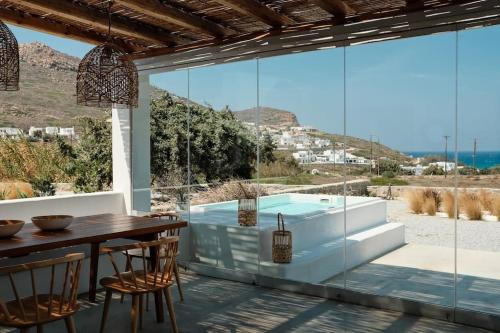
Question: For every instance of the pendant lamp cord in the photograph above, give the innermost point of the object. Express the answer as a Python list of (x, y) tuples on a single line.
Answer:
[(110, 3)]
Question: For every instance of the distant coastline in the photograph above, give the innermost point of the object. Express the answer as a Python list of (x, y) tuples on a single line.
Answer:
[(484, 159)]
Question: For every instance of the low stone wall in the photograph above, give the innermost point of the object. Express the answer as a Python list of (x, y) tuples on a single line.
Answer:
[(397, 191), (353, 187)]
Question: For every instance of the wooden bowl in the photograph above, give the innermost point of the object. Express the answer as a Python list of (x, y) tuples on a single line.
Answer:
[(9, 228), (52, 222)]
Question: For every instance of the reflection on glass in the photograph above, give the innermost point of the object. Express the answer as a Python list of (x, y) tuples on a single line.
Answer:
[(478, 229), (400, 112), (169, 146), (301, 164), (223, 155)]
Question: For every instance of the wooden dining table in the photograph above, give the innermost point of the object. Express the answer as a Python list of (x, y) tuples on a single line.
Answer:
[(92, 230)]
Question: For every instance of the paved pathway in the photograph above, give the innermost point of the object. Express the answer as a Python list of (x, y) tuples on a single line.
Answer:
[(214, 305)]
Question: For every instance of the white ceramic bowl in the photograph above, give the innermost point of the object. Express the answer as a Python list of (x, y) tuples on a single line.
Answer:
[(9, 228), (52, 222)]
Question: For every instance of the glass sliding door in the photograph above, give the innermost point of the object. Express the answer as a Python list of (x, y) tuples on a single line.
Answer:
[(400, 136), (223, 157), (478, 227), (301, 102), (170, 146)]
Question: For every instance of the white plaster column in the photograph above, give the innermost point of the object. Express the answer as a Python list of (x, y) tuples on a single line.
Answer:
[(131, 152)]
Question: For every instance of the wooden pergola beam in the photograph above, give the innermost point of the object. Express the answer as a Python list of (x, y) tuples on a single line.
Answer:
[(259, 11), (59, 29), (337, 8), (98, 20), (166, 13)]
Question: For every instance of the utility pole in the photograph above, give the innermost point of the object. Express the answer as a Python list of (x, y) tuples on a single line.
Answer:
[(446, 137), (378, 156), (474, 156), (371, 153), (333, 146)]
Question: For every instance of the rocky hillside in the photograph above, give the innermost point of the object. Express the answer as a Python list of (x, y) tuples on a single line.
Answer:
[(47, 91), (42, 56), (268, 116)]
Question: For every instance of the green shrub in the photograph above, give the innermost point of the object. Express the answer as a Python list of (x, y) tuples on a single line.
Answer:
[(389, 166), (433, 170), (388, 174), (384, 181), (43, 186)]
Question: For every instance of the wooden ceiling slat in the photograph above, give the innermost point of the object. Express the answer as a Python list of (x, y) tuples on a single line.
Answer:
[(59, 29), (170, 14), (97, 19), (259, 11), (338, 8)]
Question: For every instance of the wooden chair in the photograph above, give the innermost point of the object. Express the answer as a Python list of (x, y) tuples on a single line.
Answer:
[(39, 309), (173, 216), (138, 283)]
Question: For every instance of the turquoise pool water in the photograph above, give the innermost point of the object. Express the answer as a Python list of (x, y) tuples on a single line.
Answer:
[(284, 204), (295, 208)]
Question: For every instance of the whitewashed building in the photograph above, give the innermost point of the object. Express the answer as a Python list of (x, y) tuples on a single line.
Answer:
[(10, 132), (68, 132)]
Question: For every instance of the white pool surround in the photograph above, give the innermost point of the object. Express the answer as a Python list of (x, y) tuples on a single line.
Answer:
[(317, 225)]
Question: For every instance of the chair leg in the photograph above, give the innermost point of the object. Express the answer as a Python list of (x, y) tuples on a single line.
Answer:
[(105, 311), (24, 330), (170, 306), (134, 313), (127, 268), (70, 324), (141, 300), (178, 281), (39, 329)]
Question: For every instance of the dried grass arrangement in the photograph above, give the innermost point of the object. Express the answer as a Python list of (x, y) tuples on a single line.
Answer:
[(471, 205), (430, 206), (415, 200), (432, 201), (496, 207), (487, 200), (448, 204)]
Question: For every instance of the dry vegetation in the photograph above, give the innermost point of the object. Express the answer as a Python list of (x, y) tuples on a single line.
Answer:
[(22, 160), (227, 192), (415, 200), (15, 190), (472, 204), (448, 204)]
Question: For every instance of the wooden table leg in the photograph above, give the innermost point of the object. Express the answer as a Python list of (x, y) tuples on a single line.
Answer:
[(153, 253), (94, 264)]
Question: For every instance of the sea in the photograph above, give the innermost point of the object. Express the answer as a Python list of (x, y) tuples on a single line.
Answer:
[(484, 159)]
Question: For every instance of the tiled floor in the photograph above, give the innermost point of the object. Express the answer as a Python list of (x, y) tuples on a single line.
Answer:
[(214, 305)]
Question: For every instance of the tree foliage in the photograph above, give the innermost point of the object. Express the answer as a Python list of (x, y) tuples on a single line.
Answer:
[(221, 148), (92, 165)]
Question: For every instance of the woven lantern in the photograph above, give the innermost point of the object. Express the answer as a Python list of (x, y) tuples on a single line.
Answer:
[(9, 60), (106, 76)]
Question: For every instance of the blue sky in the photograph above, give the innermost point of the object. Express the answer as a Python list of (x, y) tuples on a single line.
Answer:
[(402, 92)]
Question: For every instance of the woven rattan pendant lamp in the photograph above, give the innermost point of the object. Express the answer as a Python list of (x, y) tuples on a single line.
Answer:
[(9, 60), (106, 76)]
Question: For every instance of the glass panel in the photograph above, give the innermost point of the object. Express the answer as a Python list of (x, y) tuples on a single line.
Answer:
[(223, 155), (301, 173), (169, 146), (478, 230), (400, 109)]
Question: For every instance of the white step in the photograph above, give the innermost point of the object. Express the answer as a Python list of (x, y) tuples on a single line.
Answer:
[(326, 260)]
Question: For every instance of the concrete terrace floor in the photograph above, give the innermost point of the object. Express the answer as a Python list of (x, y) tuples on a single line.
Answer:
[(214, 305)]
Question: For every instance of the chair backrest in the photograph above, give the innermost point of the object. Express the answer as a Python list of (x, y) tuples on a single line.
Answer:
[(169, 216), (162, 266), (58, 302)]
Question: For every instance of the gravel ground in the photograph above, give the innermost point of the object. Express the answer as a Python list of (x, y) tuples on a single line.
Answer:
[(440, 230)]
